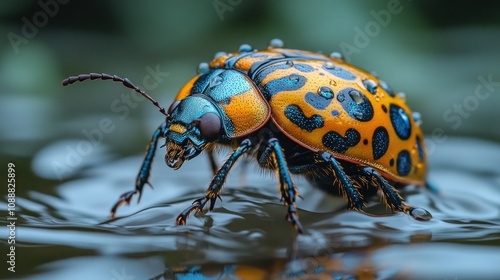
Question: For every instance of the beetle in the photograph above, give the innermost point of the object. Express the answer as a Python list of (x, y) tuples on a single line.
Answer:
[(295, 112)]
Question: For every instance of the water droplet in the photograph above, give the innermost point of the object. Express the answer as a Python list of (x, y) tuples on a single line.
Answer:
[(402, 95), (335, 113), (333, 83), (356, 96), (203, 68), (217, 80), (245, 48), (325, 92), (377, 98), (276, 43), (358, 115), (417, 117), (370, 85), (337, 55), (386, 87), (289, 63), (219, 54), (341, 97), (294, 78), (329, 65), (420, 214)]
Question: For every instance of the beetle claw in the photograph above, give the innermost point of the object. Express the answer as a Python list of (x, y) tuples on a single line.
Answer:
[(124, 198), (292, 217), (197, 206)]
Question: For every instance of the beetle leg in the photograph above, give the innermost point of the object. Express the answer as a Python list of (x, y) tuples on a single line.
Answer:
[(354, 199), (144, 172), (394, 200), (216, 184), (391, 196), (274, 154)]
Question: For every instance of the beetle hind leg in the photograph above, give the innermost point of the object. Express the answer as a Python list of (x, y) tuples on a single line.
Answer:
[(393, 199)]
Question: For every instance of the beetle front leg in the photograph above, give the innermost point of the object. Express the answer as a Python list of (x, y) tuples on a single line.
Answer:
[(144, 172), (273, 154), (216, 184)]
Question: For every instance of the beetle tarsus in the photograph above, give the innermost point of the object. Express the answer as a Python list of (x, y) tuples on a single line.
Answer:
[(197, 206), (293, 217), (124, 198)]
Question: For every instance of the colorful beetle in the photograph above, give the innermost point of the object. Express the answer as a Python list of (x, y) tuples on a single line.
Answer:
[(296, 112)]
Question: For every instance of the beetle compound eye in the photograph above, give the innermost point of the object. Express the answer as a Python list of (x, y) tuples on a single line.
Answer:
[(210, 126), (173, 106)]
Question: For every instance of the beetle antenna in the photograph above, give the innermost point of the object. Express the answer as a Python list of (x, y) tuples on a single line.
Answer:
[(126, 82)]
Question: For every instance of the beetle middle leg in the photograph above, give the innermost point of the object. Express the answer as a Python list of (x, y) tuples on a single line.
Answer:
[(273, 155), (354, 198), (144, 172), (216, 184)]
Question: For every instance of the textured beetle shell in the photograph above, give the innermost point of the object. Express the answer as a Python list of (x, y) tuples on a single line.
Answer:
[(326, 104)]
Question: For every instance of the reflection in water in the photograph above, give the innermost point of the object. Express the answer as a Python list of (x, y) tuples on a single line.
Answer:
[(247, 236)]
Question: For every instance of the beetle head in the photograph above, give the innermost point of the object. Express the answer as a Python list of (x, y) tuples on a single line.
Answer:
[(193, 122)]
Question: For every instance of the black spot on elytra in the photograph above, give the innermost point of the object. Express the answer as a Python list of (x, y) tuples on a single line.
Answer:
[(400, 121), (391, 162), (340, 72), (380, 142), (291, 82), (403, 163), (339, 143), (317, 101), (296, 116), (356, 104), (268, 69), (303, 67)]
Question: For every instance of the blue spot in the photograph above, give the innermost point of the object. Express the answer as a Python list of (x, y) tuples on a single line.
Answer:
[(339, 143), (204, 81), (227, 84), (318, 102), (260, 70), (356, 104), (380, 142), (400, 121), (340, 72), (296, 116), (403, 163), (291, 82), (303, 67)]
